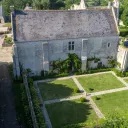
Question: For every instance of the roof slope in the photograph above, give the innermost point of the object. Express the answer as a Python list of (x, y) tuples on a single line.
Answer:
[(53, 25)]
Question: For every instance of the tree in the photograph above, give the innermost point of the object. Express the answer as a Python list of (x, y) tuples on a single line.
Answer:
[(116, 120), (41, 4), (6, 5), (18, 4), (124, 16)]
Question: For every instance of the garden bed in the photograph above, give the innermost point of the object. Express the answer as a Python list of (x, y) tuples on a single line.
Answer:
[(99, 82)]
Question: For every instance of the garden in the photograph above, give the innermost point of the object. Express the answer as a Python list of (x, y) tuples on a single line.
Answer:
[(95, 83), (113, 102), (79, 112), (71, 114), (58, 89)]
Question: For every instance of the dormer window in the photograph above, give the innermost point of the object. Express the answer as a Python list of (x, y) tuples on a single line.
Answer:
[(71, 46)]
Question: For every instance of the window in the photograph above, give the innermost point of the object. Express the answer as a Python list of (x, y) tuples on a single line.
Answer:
[(71, 45), (108, 45)]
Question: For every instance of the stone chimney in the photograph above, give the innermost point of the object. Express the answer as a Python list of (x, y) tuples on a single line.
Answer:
[(109, 4), (12, 9), (116, 6), (82, 4)]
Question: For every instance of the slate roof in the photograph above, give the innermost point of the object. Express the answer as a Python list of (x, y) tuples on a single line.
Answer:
[(35, 25)]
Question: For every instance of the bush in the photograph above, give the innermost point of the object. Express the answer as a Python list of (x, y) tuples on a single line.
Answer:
[(22, 105), (36, 104), (76, 90), (82, 99), (97, 98), (123, 32), (8, 40)]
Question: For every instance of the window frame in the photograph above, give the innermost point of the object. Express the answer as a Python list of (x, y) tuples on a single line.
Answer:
[(71, 46)]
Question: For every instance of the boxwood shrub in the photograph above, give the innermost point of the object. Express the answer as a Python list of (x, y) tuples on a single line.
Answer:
[(36, 104)]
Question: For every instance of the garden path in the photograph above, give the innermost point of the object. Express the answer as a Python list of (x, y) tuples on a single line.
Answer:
[(120, 79), (108, 91), (44, 111), (63, 99), (93, 105), (84, 94)]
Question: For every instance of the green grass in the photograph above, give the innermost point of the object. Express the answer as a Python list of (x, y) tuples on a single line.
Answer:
[(113, 102), (100, 82), (126, 80), (70, 113), (57, 89), (7, 25)]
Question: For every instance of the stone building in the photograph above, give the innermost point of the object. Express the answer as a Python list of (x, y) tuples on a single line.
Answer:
[(2, 14), (122, 56), (43, 36), (79, 6)]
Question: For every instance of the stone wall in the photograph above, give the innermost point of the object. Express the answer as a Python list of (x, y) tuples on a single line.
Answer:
[(37, 55), (122, 58)]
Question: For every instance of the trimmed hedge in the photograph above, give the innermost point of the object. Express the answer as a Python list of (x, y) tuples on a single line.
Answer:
[(123, 31), (76, 90), (36, 105), (21, 105)]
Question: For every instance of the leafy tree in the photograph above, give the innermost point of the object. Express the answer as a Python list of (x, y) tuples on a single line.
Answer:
[(57, 4), (114, 121), (124, 16), (6, 5), (41, 4), (18, 4), (68, 3)]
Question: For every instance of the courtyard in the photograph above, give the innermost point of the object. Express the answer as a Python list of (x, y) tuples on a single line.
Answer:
[(104, 93)]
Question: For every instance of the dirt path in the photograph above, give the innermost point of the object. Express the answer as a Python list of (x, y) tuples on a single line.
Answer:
[(7, 110)]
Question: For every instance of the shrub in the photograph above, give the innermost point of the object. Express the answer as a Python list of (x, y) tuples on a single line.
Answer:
[(36, 104), (76, 90), (82, 99), (8, 40), (97, 98)]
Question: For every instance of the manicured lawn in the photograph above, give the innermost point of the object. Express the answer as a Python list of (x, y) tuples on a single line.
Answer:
[(70, 112), (109, 103), (126, 80), (100, 82), (57, 89)]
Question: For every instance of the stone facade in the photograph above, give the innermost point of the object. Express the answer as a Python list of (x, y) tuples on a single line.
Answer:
[(43, 36), (38, 55), (122, 58)]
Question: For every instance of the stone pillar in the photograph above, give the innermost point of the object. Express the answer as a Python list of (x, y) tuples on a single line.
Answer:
[(16, 68), (84, 63), (84, 55), (45, 57)]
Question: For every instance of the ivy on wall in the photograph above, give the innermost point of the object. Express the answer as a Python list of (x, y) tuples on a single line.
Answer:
[(71, 64)]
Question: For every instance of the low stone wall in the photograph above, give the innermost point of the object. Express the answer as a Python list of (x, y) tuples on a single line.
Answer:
[(35, 125)]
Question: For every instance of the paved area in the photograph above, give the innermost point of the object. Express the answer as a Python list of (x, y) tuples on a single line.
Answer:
[(7, 110), (64, 99), (108, 91), (5, 54)]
